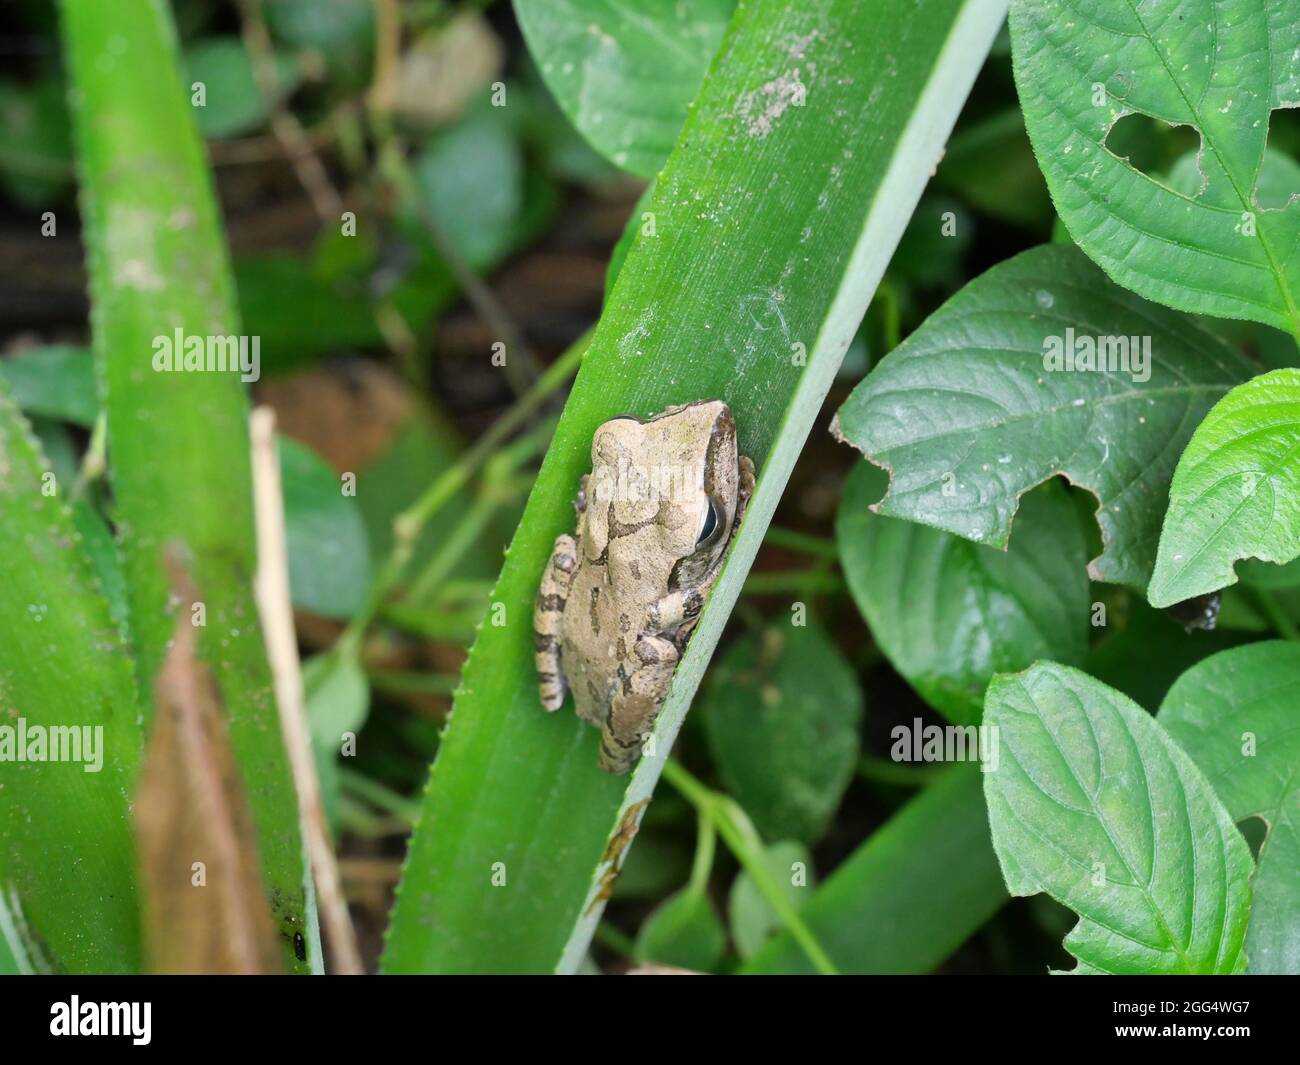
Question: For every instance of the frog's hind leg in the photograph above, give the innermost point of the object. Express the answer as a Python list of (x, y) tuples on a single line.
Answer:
[(548, 615), (637, 703)]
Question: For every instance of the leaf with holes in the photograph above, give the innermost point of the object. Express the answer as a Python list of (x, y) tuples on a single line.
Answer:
[(1093, 803), (974, 409), (1236, 492), (1219, 66), (1234, 714)]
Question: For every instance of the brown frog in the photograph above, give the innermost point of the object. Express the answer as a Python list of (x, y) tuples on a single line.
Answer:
[(618, 602)]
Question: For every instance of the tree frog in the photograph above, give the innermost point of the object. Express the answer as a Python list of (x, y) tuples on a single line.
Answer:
[(618, 602)]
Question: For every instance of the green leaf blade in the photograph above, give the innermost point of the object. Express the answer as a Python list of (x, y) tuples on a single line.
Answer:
[(1215, 65), (970, 411), (181, 473), (1095, 805), (511, 783), (782, 713), (948, 613), (67, 855), (1234, 714), (625, 74), (1236, 491)]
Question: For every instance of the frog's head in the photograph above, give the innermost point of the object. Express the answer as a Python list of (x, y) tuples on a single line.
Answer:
[(667, 487)]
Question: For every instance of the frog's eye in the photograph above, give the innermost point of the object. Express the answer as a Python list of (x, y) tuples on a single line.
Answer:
[(711, 522)]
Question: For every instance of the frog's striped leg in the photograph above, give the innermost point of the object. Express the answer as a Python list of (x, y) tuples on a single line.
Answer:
[(548, 615), (637, 703)]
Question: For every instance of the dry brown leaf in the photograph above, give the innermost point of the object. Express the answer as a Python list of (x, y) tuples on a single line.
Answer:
[(205, 908)]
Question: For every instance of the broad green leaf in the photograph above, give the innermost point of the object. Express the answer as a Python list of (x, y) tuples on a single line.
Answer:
[(949, 613), (338, 698), (712, 307), (909, 896), (233, 102), (973, 409), (67, 858), (782, 712), (1094, 804), (753, 921), (1235, 714), (683, 930), (1218, 66), (178, 441), (625, 73), (329, 558), (1279, 180), (57, 381), (1236, 492), (472, 180)]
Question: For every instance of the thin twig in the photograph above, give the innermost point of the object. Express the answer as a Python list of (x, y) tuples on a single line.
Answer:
[(276, 613)]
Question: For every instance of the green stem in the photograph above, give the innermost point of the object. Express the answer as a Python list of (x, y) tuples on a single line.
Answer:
[(743, 841), (706, 842), (609, 936)]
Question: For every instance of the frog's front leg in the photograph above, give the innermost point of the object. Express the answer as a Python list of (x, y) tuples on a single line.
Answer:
[(548, 617), (637, 702)]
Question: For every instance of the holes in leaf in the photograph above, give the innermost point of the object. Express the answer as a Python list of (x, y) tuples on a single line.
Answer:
[(1254, 829), (1151, 146), (1279, 176)]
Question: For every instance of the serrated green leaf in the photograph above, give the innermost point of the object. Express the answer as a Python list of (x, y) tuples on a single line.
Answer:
[(1218, 66), (712, 307), (625, 73), (67, 857), (683, 930), (178, 441), (1235, 714), (1236, 491), (753, 921), (329, 558), (1094, 804), (782, 713), (968, 417), (949, 613)]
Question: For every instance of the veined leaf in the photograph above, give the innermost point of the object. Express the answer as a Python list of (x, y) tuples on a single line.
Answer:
[(178, 440), (67, 869), (753, 920), (949, 613), (625, 73), (910, 895), (1236, 492), (1216, 65), (1093, 803), (720, 304), (973, 409), (782, 713), (1235, 714)]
